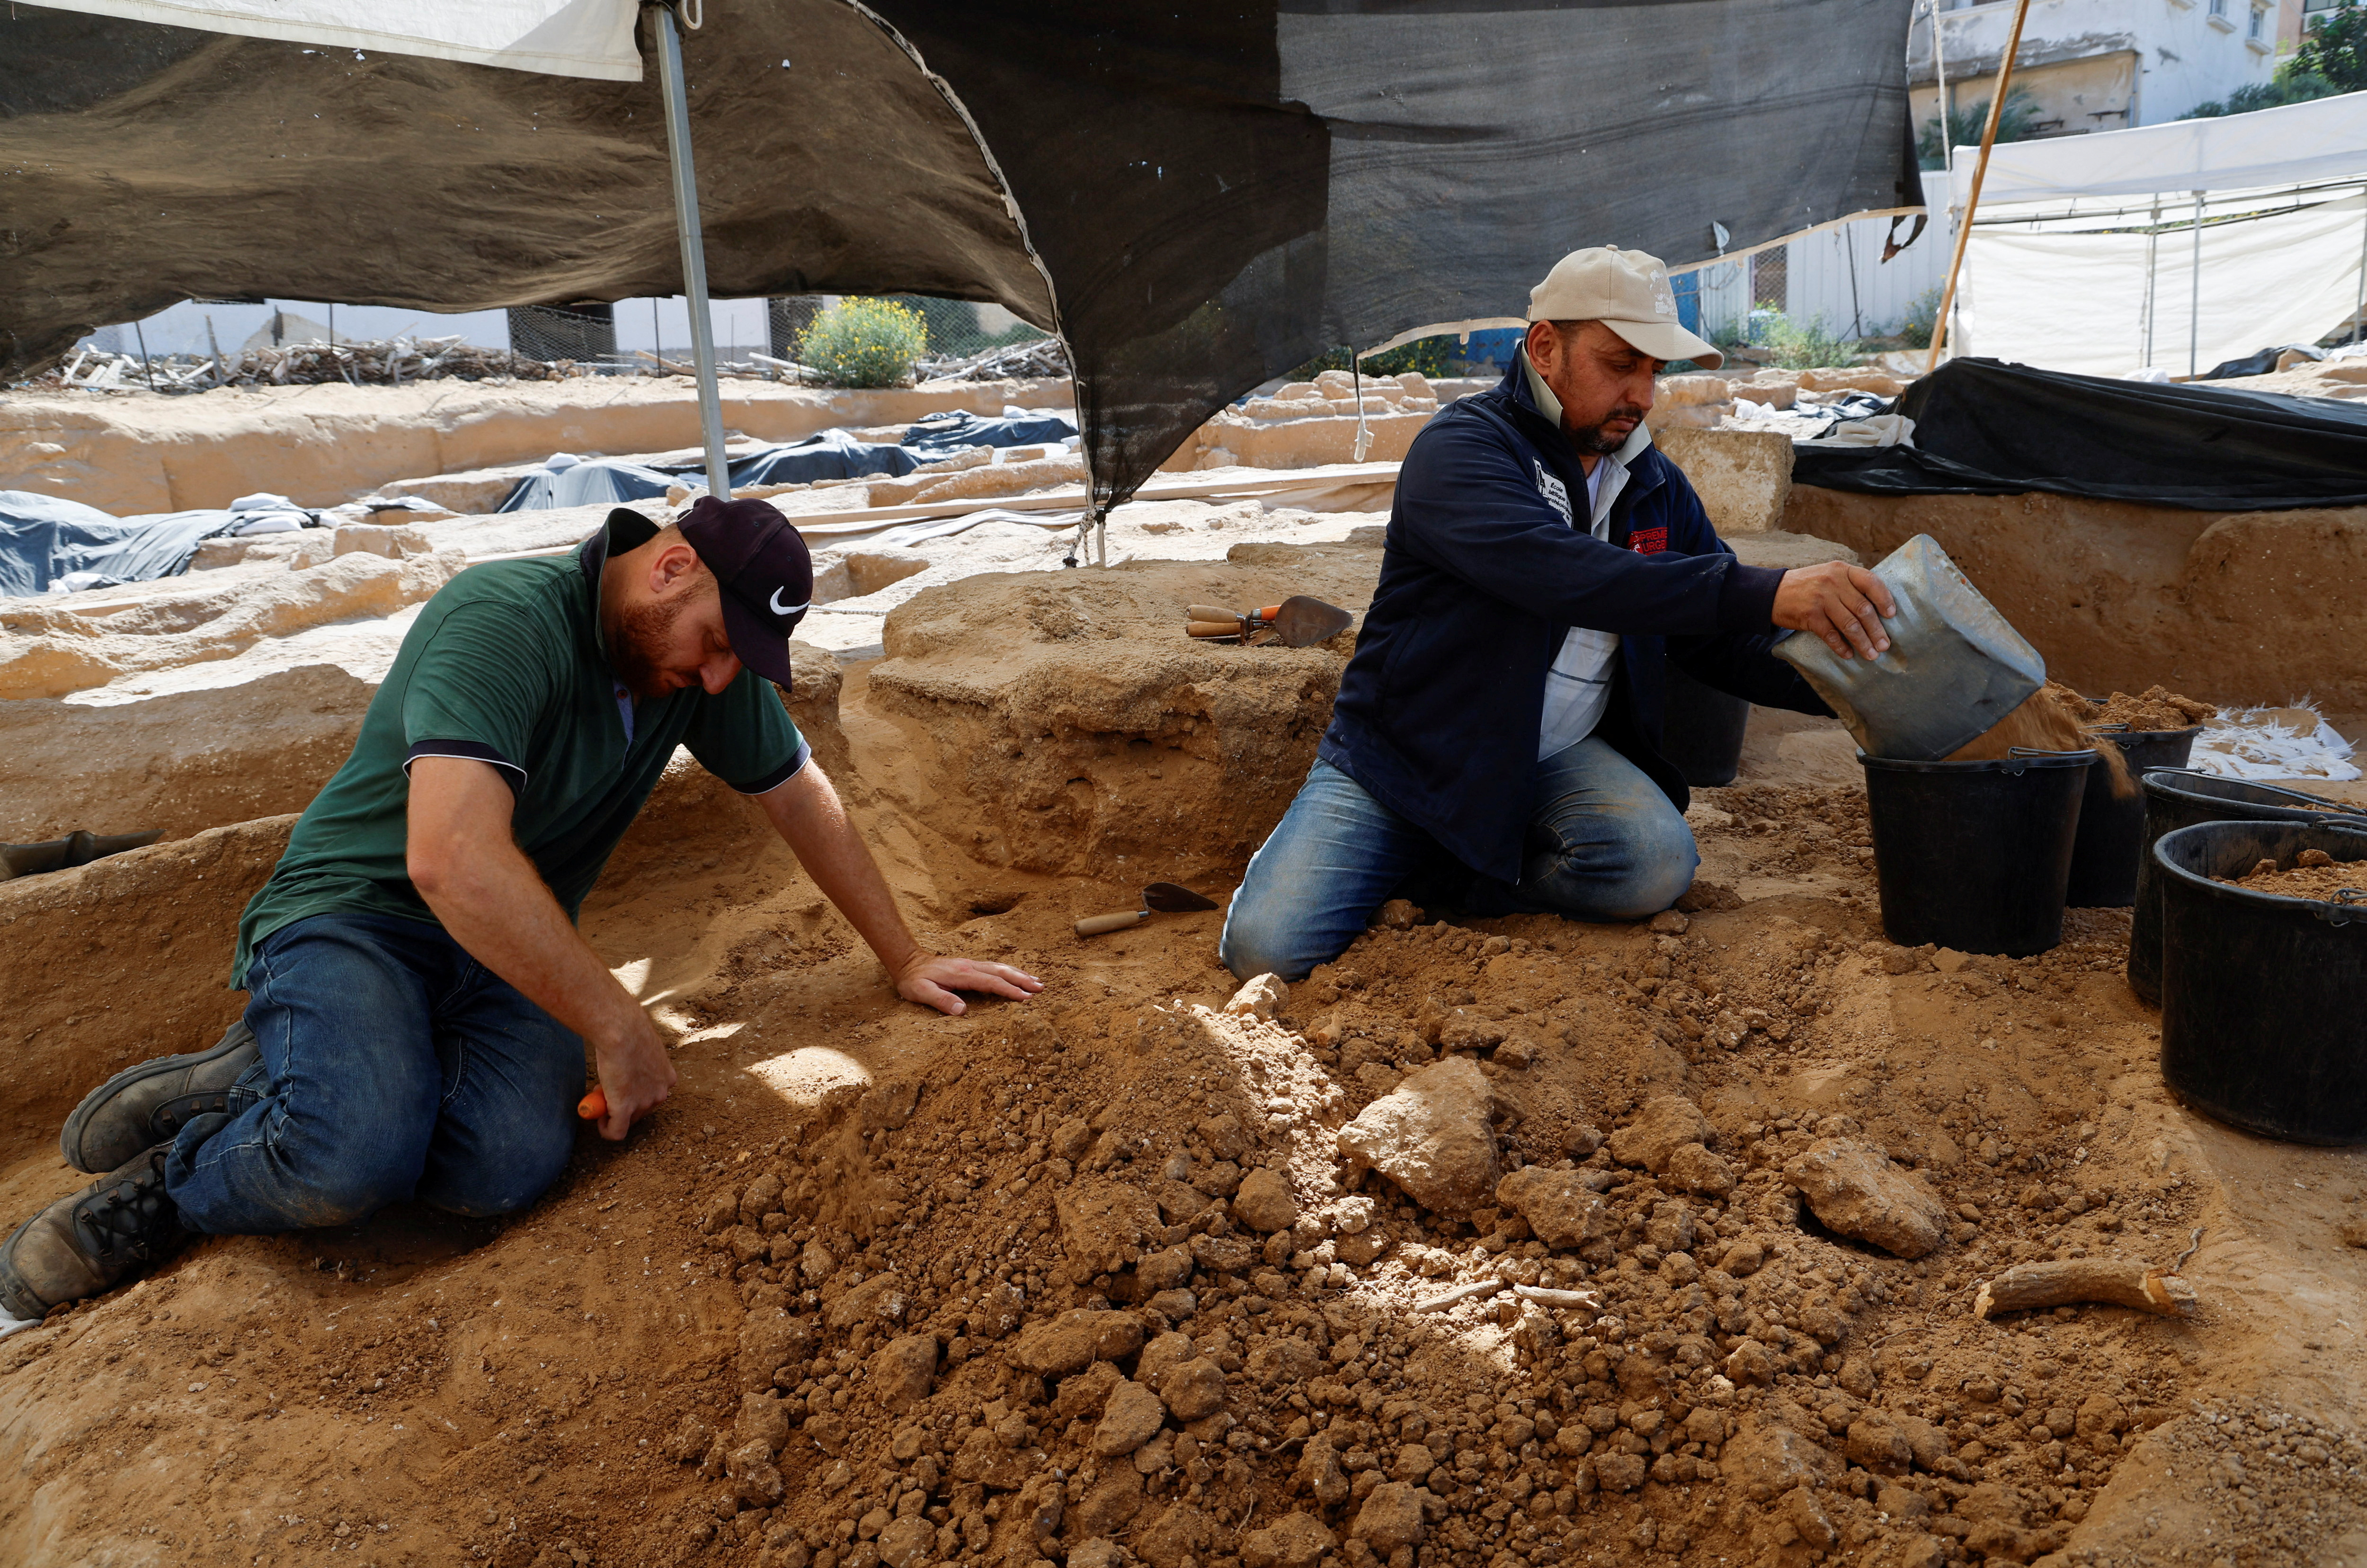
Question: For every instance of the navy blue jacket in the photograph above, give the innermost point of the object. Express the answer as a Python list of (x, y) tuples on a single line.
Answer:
[(1481, 579)]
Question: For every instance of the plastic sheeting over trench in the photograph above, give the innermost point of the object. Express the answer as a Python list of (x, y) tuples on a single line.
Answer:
[(1196, 197), (1983, 428)]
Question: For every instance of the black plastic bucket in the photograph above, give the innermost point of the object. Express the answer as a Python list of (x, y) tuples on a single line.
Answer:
[(1976, 855), (1702, 733), (2173, 801), (2112, 827), (2263, 999)]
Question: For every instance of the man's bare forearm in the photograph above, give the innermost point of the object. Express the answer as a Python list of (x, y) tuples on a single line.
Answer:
[(490, 899), (499, 909), (812, 821)]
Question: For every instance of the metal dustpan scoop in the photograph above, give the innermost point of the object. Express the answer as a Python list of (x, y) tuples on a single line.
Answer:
[(1956, 667), (1159, 898)]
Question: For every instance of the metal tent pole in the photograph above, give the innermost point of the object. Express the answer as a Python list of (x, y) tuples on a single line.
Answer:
[(694, 250), (1940, 79), (2359, 317), (2194, 294), (2153, 244)]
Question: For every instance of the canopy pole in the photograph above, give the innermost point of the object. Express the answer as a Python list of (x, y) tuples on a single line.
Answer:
[(2359, 317), (1940, 79), (2153, 245), (2194, 295), (1980, 173), (694, 250)]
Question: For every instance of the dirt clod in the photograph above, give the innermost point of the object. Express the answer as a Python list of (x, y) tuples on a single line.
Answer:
[(1859, 1192)]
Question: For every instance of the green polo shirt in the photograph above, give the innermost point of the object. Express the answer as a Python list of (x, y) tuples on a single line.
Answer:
[(507, 665)]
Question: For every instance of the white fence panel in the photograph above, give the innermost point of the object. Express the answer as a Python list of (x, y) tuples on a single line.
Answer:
[(1838, 276)]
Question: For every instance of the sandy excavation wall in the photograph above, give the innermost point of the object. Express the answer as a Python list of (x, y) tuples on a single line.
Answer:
[(183, 763), (177, 765), (51, 648), (1052, 720), (2240, 607), (322, 445)]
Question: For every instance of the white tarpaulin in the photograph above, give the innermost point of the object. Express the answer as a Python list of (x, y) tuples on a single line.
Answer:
[(2075, 300), (2298, 144), (559, 38)]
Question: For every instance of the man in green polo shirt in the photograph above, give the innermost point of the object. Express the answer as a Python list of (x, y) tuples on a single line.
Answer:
[(419, 1000)]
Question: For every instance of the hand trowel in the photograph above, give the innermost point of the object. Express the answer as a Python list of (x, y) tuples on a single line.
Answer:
[(1298, 621), (1159, 898)]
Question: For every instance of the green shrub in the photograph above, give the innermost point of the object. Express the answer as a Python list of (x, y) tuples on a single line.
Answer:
[(2287, 87), (1922, 318), (1799, 346), (1431, 357), (2334, 48), (1965, 125), (865, 342)]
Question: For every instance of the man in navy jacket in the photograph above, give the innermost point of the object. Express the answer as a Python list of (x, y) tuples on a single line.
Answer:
[(1496, 739)]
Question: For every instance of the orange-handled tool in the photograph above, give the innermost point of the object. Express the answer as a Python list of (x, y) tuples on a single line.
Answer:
[(1296, 622), (594, 1106)]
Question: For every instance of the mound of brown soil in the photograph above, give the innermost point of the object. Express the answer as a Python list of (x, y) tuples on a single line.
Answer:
[(2159, 708), (2314, 874)]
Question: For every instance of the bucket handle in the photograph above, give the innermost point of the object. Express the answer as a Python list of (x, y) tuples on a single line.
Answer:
[(2338, 910), (2024, 754), (2304, 802)]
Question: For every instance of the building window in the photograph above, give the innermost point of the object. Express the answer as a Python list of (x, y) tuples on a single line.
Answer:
[(2260, 24), (2219, 8)]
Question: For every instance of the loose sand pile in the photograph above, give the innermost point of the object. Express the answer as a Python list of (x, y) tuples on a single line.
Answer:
[(1135, 1272), (2314, 874), (2159, 708)]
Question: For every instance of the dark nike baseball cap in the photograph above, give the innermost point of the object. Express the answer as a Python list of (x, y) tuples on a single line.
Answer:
[(761, 563)]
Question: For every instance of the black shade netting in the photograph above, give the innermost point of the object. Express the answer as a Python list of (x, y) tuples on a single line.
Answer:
[(1987, 428), (1196, 198)]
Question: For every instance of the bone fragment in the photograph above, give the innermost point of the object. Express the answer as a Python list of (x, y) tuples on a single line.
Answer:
[(1460, 1294), (2027, 1287), (1546, 1298)]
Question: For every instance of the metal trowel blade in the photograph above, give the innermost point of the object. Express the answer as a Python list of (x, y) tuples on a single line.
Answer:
[(1301, 622), (1167, 898)]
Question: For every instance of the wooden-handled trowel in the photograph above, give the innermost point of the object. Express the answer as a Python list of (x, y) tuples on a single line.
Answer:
[(1298, 621), (1159, 898)]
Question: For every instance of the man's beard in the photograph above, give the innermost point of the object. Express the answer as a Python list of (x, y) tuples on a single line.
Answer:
[(1591, 440), (635, 641)]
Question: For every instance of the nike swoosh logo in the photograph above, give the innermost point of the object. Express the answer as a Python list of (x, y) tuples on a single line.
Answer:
[(780, 609)]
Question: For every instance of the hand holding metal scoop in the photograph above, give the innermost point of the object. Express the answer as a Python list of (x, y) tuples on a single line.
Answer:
[(1298, 621), (1162, 898)]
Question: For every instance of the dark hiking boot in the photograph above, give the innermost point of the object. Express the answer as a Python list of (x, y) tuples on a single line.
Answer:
[(87, 1242), (147, 1104)]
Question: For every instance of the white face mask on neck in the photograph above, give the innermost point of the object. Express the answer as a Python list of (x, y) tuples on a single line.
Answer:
[(1547, 404)]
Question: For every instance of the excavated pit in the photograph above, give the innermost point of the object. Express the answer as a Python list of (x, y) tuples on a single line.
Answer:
[(879, 1215)]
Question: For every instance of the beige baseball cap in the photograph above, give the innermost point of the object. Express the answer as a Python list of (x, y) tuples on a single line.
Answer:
[(1626, 291)]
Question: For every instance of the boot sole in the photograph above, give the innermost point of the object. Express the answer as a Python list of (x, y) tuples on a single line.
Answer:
[(11, 1285), (70, 1138)]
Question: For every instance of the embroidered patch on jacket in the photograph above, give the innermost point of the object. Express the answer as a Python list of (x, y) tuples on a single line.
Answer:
[(1557, 494), (1649, 541)]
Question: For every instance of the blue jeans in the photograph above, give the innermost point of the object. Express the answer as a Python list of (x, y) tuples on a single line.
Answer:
[(1605, 845), (393, 1066)]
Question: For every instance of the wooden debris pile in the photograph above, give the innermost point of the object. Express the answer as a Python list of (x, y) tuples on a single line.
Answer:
[(1042, 356), (386, 362)]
